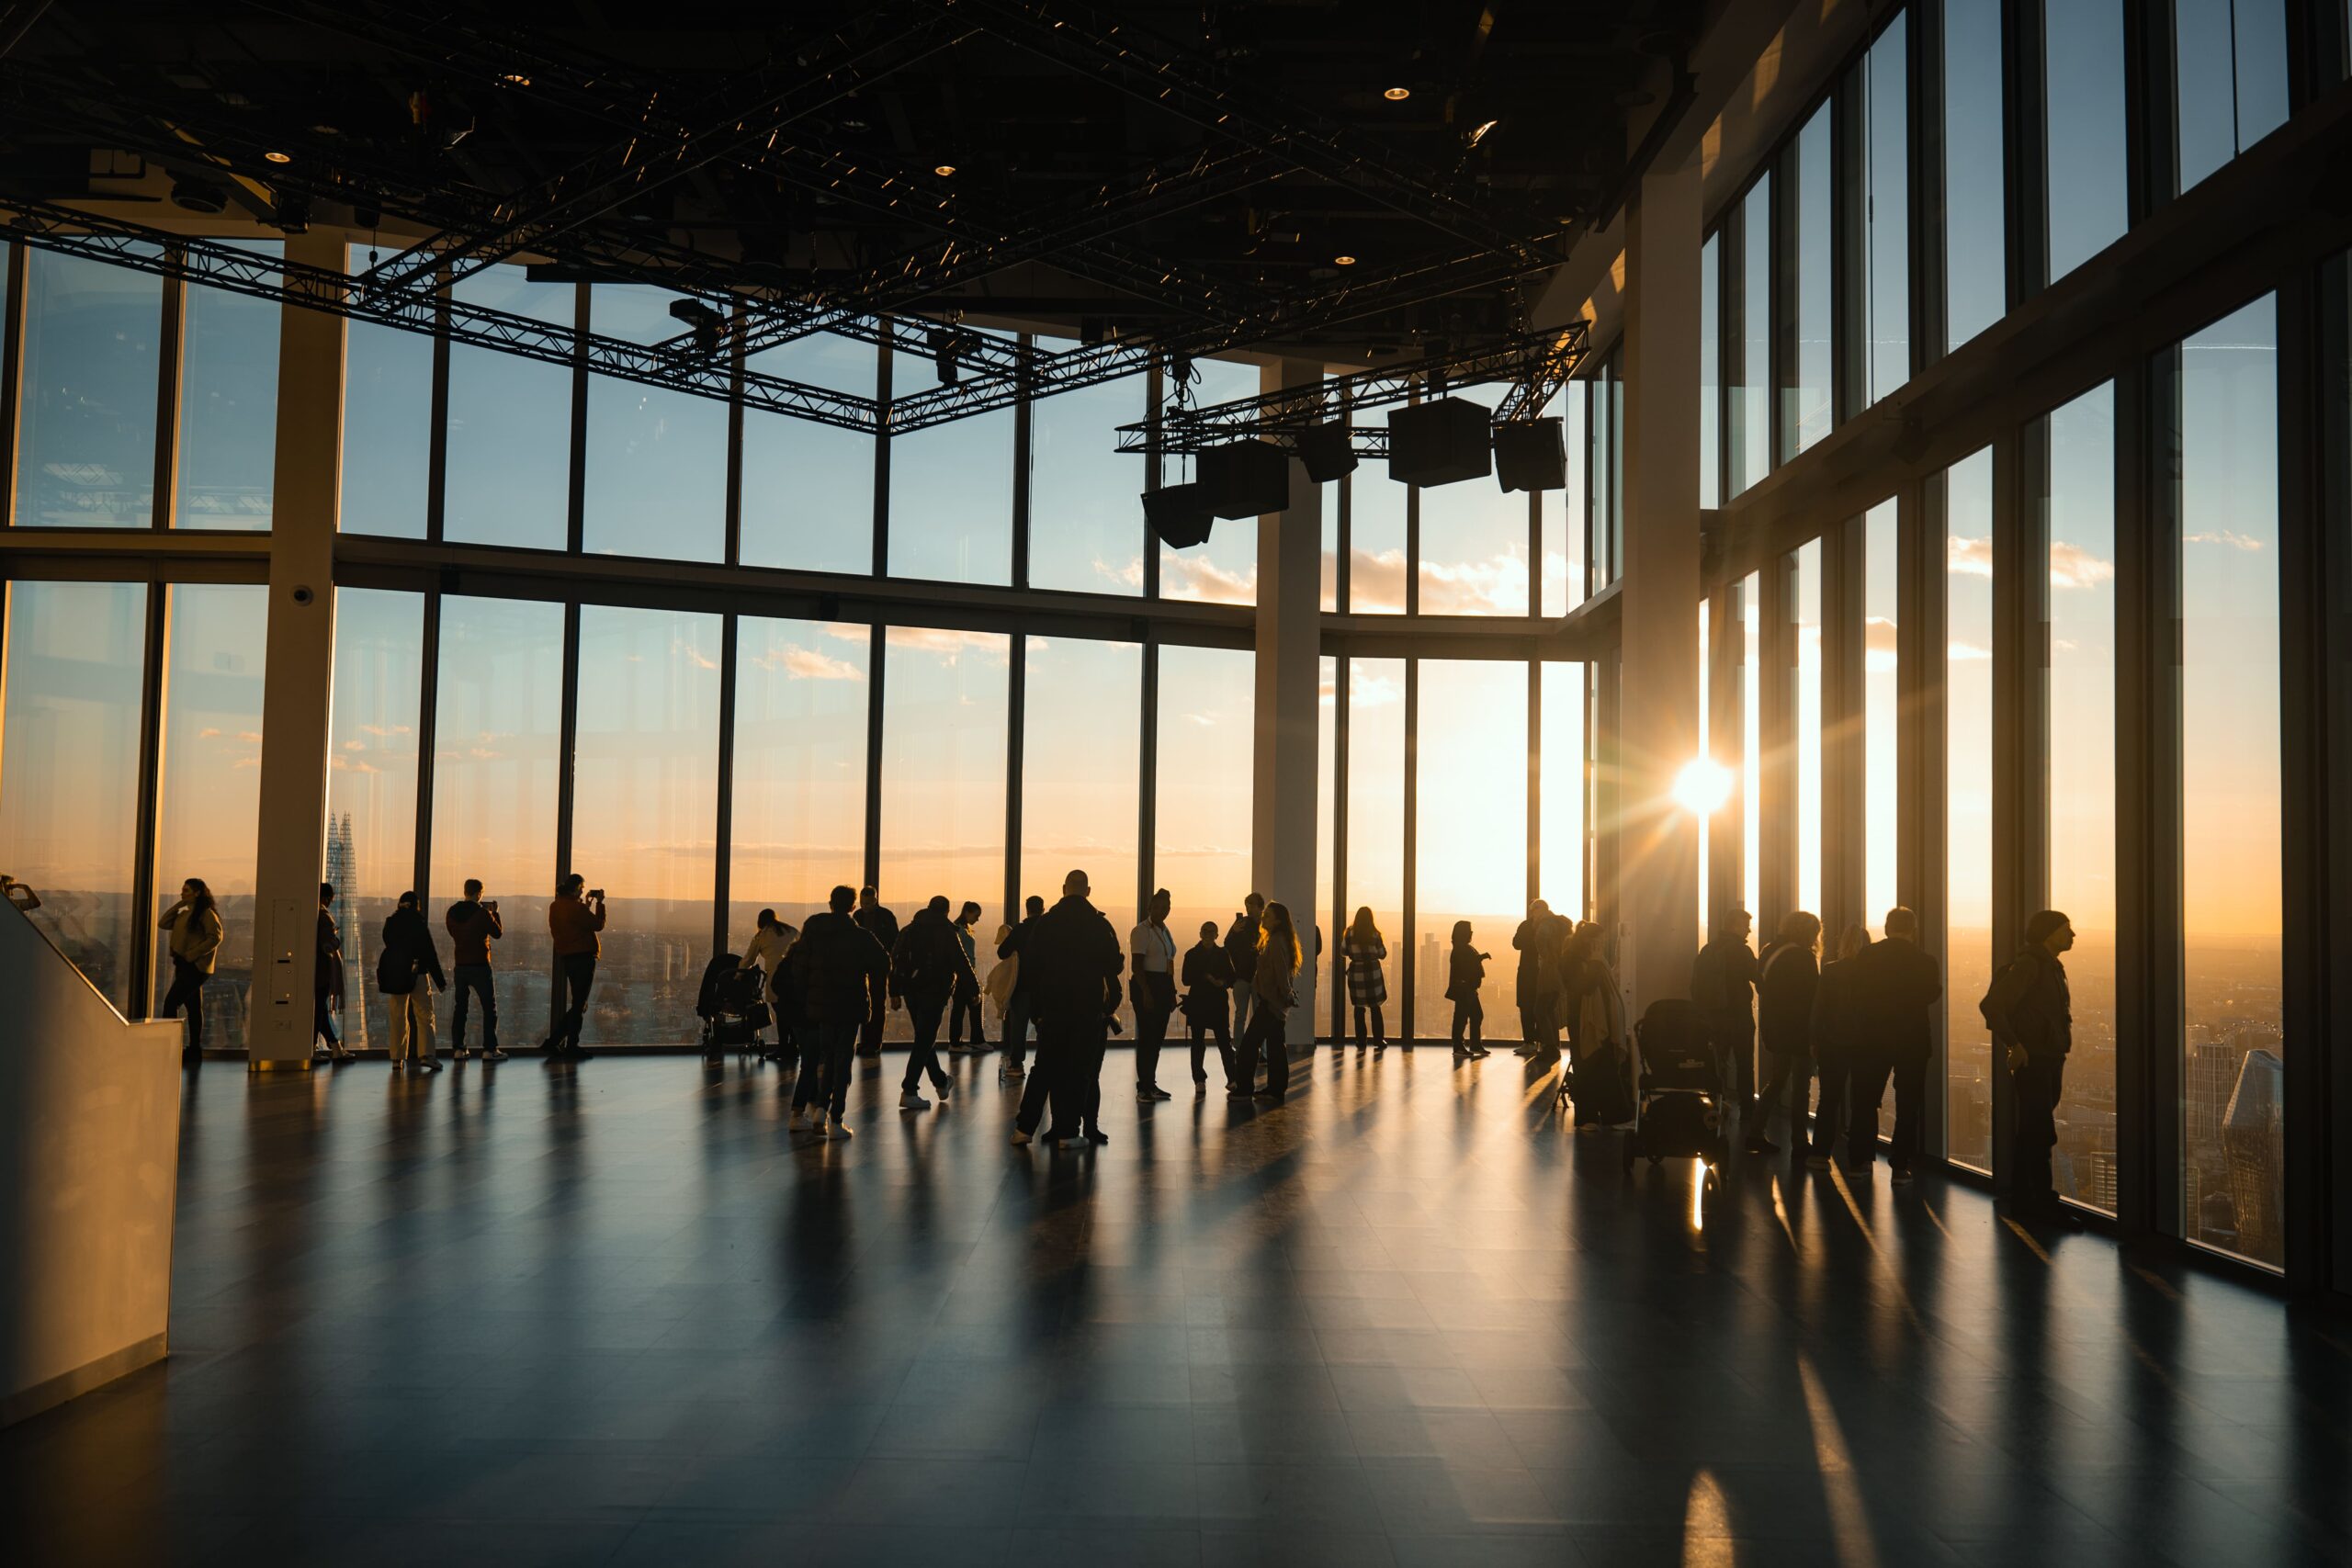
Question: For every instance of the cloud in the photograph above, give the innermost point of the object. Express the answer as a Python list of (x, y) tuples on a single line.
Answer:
[(1966, 652), (948, 645), (1969, 557), (694, 655), (1369, 689), (1200, 579), (250, 737), (2071, 566), (1206, 720), (2228, 536), (208, 734), (1128, 575), (386, 730), (1879, 644), (347, 765), (807, 664)]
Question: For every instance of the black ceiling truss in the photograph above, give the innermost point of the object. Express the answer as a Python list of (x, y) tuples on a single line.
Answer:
[(1535, 365)]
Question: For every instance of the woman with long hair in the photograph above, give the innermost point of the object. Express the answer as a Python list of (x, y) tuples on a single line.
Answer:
[(195, 944), (1362, 947), (1465, 971), (1273, 996)]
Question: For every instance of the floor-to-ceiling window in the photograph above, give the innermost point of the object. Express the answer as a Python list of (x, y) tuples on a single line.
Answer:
[(1562, 818), (951, 489), (1806, 172), (2225, 389), (1750, 631), (1750, 405), (228, 406), (1086, 529), (2078, 455), (386, 470), (808, 488), (1201, 799), (1881, 712), (371, 784), (798, 824), (1474, 543), (655, 478), (1967, 496), (1224, 568), (1806, 773), (1375, 861), (1710, 376), (509, 451), (69, 796), (2084, 163), (1886, 271), (1563, 510), (1975, 223), (1470, 833), (1080, 760), (85, 421), (2228, 75)]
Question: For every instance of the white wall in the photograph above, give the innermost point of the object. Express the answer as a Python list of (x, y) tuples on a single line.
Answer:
[(89, 1163)]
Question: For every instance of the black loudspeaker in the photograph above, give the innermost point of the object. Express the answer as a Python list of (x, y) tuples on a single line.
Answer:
[(1245, 479), (1179, 514), (1440, 443), (1329, 452), (1531, 455)]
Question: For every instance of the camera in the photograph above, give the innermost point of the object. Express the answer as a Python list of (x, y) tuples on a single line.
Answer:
[(597, 894), (492, 905)]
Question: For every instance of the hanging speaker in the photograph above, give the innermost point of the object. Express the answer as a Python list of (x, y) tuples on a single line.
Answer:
[(1179, 514), (1440, 443), (1245, 479), (1531, 455), (1327, 452)]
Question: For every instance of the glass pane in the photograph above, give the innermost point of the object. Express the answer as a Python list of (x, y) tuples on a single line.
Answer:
[(2083, 68), (1563, 825), (1329, 916), (1471, 834), (1201, 826), (656, 477), (2232, 845), (2081, 519), (1887, 185), (1474, 543), (799, 799), (1375, 868), (509, 479), (1974, 221), (1751, 743), (1710, 375), (1086, 528), (371, 784), (1375, 542), (1807, 608), (85, 452), (387, 427), (1614, 384), (808, 488), (1881, 705), (228, 449), (1081, 761), (2230, 77), (943, 712), (497, 728), (208, 813), (1751, 408), (1968, 806), (1714, 748), (1225, 569), (951, 492), (1805, 411), (69, 794), (1563, 510)]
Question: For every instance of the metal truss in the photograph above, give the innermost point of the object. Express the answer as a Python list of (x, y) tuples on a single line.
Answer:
[(223, 266), (1534, 363)]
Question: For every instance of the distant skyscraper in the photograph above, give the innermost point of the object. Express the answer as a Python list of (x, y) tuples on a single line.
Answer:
[(2213, 1073), (2252, 1139)]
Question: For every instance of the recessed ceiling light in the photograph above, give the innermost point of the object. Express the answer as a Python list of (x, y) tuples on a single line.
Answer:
[(943, 170), (279, 157), (1343, 261), (1397, 94), (515, 79)]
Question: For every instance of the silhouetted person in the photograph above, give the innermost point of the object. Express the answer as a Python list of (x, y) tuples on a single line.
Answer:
[(474, 926), (1897, 982), (573, 920), (1723, 987), (833, 968), (771, 939), (1569, 984), (1538, 982), (1274, 992), (1465, 972), (1790, 972), (1362, 948), (1241, 949), (1018, 1013), (1151, 985), (1599, 1028), (327, 982), (883, 927), (1839, 1034), (2032, 1020), (195, 944), (1070, 964), (965, 1004), (1208, 982), (405, 961), (926, 967)]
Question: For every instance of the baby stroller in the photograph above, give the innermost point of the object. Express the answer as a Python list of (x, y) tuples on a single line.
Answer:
[(1679, 1101), (730, 1006)]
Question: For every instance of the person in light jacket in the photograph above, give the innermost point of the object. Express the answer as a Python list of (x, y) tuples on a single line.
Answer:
[(406, 958), (195, 933)]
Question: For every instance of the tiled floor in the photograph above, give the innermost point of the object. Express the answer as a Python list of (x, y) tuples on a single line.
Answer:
[(618, 1315)]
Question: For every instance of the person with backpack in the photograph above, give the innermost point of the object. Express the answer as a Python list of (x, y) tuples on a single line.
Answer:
[(1363, 947), (1837, 1034), (880, 924), (1723, 984), (1896, 983), (927, 966), (474, 926), (1465, 972), (1789, 974), (2031, 1016), (405, 958), (1241, 952), (1208, 979), (833, 969), (1016, 1002)]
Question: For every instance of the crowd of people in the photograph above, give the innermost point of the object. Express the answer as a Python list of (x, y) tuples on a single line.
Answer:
[(1818, 1043)]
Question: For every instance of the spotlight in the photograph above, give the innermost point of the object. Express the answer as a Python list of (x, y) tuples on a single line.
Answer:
[(945, 341), (1531, 453), (515, 79), (1397, 94), (1327, 452), (276, 157), (195, 195), (943, 170), (293, 213), (1480, 134), (1343, 261), (1179, 514), (709, 325), (1440, 443)]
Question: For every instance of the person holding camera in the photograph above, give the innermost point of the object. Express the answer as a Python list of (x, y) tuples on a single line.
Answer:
[(473, 925), (573, 920)]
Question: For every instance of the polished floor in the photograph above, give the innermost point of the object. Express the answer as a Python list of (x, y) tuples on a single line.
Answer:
[(620, 1314)]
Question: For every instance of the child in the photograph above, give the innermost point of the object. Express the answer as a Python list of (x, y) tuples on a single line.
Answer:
[(1208, 977), (1465, 973)]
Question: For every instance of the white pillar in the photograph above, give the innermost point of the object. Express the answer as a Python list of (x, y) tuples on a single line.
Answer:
[(1658, 727), (1282, 759), (298, 686)]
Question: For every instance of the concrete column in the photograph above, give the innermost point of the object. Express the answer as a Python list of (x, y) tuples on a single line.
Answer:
[(297, 695), (1658, 706), (1283, 756)]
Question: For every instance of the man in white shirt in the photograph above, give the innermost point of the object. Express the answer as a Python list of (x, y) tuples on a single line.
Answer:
[(764, 952), (1151, 985)]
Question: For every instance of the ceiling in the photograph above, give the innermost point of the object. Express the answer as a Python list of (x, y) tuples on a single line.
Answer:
[(1177, 175)]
